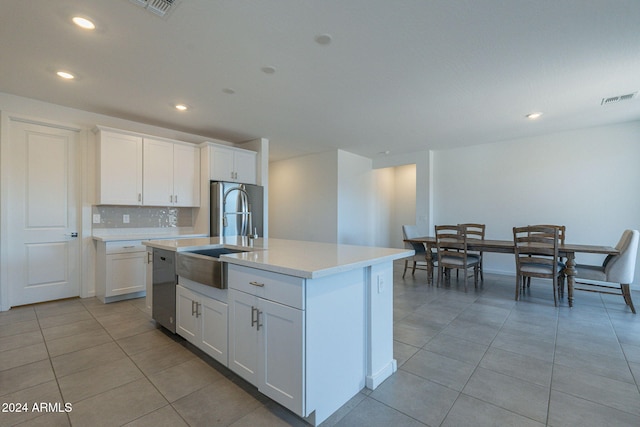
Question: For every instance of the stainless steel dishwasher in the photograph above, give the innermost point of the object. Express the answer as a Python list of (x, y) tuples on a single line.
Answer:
[(164, 288)]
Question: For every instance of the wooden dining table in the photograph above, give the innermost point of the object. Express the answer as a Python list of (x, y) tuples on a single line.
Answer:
[(567, 250)]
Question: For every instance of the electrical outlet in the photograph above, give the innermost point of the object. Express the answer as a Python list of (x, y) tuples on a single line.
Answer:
[(125, 218), (96, 218)]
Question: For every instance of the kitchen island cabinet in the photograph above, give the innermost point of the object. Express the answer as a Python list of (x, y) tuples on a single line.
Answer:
[(202, 320), (266, 336), (310, 324)]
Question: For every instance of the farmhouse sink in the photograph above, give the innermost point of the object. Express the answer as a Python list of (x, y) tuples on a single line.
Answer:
[(204, 266)]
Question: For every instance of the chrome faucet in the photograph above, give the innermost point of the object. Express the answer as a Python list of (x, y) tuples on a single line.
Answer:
[(245, 230)]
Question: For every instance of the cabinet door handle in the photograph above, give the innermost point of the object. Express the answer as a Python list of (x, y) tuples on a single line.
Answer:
[(258, 324), (198, 312), (253, 320), (193, 308), (175, 199), (258, 284), (139, 197)]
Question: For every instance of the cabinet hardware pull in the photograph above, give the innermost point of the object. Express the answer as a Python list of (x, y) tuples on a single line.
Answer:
[(253, 320), (193, 308), (175, 199), (257, 284), (170, 198), (258, 324), (128, 247), (139, 197), (198, 312)]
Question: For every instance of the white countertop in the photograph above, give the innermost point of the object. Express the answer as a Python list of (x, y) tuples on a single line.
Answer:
[(293, 257), (140, 234)]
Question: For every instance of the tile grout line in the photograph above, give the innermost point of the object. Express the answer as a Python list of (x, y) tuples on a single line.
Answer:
[(144, 375), (51, 364)]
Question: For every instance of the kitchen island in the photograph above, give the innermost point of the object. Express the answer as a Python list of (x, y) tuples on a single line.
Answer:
[(309, 324)]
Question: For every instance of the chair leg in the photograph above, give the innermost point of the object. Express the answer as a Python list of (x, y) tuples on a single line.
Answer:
[(626, 293), (413, 271), (518, 282), (476, 271), (465, 272)]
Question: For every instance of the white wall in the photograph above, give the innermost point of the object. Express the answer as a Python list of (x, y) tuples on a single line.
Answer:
[(423, 163), (587, 179), (384, 216), (403, 202), (303, 195), (356, 200)]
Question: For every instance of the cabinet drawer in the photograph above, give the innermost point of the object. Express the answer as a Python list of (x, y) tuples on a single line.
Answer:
[(123, 246), (288, 290)]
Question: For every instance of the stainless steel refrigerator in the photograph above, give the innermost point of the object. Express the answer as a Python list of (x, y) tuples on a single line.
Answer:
[(236, 209)]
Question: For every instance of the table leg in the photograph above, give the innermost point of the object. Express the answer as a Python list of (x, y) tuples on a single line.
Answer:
[(429, 264), (570, 271)]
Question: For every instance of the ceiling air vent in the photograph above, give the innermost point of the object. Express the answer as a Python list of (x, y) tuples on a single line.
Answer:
[(620, 98), (159, 7)]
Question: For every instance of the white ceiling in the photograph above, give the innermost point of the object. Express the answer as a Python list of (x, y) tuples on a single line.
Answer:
[(399, 75)]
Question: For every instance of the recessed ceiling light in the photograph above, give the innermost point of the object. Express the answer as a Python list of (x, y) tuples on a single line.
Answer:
[(323, 39), (181, 107), (229, 90), (533, 116), (85, 23), (268, 70), (65, 75)]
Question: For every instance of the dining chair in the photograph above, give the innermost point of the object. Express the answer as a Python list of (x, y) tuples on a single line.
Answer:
[(536, 251), (562, 231), (451, 244), (476, 231), (618, 269), (419, 260)]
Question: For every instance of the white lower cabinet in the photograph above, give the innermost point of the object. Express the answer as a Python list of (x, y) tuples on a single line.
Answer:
[(202, 321), (121, 270), (266, 338)]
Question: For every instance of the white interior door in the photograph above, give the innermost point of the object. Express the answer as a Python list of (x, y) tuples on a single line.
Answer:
[(43, 247)]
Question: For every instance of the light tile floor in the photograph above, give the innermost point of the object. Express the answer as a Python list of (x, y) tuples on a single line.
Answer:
[(465, 359)]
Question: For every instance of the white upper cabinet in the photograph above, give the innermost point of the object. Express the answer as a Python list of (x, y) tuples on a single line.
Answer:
[(232, 164), (143, 170), (119, 166), (171, 173), (186, 175), (157, 173)]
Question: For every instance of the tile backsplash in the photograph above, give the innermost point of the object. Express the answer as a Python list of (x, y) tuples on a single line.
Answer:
[(142, 216)]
